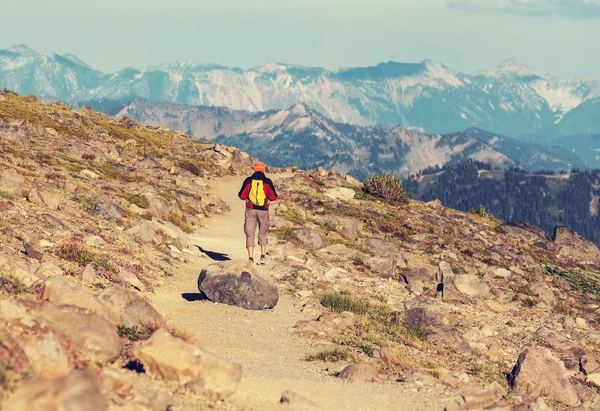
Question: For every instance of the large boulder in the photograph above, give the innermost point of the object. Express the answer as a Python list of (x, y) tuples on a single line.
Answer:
[(91, 335), (61, 291), (381, 248), (11, 182), (524, 231), (236, 283), (360, 373), (131, 310), (575, 247), (47, 355), (80, 390), (538, 372), (173, 359)]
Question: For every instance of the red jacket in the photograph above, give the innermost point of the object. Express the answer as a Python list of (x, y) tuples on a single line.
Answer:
[(270, 192)]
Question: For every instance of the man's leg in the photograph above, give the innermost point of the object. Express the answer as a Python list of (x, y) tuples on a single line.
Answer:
[(263, 231), (250, 222)]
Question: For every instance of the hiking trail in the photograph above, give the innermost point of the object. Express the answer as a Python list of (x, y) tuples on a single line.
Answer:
[(272, 357)]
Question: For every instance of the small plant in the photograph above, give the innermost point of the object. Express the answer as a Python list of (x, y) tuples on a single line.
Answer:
[(562, 308), (529, 302), (181, 222), (387, 187), (9, 91), (131, 333), (340, 302), (7, 195), (456, 270), (191, 167), (139, 200), (333, 355), (482, 212), (74, 251), (88, 203), (9, 284), (90, 157), (415, 326)]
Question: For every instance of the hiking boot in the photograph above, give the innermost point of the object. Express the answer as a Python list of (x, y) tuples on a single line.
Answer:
[(263, 260), (250, 259)]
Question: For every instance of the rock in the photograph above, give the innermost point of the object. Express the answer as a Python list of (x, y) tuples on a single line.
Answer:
[(236, 283), (47, 355), (426, 325), (118, 381), (173, 359), (538, 372), (477, 398), (340, 193), (80, 390), (525, 231), (382, 266), (11, 182), (450, 292), (61, 291), (88, 274), (309, 238), (132, 280), (31, 252), (44, 196), (444, 271), (171, 230), (107, 210), (360, 373), (89, 174), (472, 286), (296, 401), (568, 351), (143, 232), (131, 310), (94, 241), (575, 247), (418, 279), (382, 248), (435, 204), (590, 367), (99, 342), (48, 269)]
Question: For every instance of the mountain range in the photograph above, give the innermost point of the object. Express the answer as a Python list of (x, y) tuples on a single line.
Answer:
[(510, 99), (303, 137)]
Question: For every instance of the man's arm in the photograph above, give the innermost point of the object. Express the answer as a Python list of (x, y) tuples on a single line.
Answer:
[(270, 192), (245, 190)]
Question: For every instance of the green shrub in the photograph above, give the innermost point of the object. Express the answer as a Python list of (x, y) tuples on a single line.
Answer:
[(387, 187), (139, 200), (131, 333), (5, 194), (340, 302), (181, 222), (8, 91), (482, 212), (333, 355)]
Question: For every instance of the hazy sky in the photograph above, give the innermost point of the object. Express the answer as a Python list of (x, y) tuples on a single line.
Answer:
[(560, 36)]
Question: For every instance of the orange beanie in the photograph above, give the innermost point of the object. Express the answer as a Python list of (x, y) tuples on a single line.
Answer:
[(259, 166)]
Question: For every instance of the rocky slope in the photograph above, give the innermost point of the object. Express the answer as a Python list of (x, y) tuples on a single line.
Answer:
[(510, 99), (96, 213)]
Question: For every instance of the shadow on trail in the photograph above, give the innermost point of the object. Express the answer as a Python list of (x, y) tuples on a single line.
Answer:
[(214, 255), (194, 297)]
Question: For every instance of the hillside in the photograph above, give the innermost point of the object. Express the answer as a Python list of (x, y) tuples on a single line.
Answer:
[(510, 99), (363, 304), (570, 200)]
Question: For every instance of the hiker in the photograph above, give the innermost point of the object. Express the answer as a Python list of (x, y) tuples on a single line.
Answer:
[(258, 191)]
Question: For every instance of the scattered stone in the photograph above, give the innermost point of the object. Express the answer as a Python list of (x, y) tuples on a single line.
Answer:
[(173, 359), (472, 286), (131, 310), (88, 274), (94, 241), (132, 280), (44, 196), (381, 247), (143, 232), (80, 390), (89, 174), (31, 252), (360, 373), (477, 399), (107, 210), (236, 283), (309, 238), (539, 372)]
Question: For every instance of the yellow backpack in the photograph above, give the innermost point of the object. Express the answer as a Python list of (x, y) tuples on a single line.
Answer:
[(257, 193)]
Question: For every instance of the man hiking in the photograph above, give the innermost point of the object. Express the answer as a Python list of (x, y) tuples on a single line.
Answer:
[(258, 191)]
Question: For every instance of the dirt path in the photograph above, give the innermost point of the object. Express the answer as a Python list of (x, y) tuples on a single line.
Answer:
[(261, 341)]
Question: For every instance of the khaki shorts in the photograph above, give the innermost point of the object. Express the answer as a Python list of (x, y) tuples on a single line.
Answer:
[(255, 218)]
